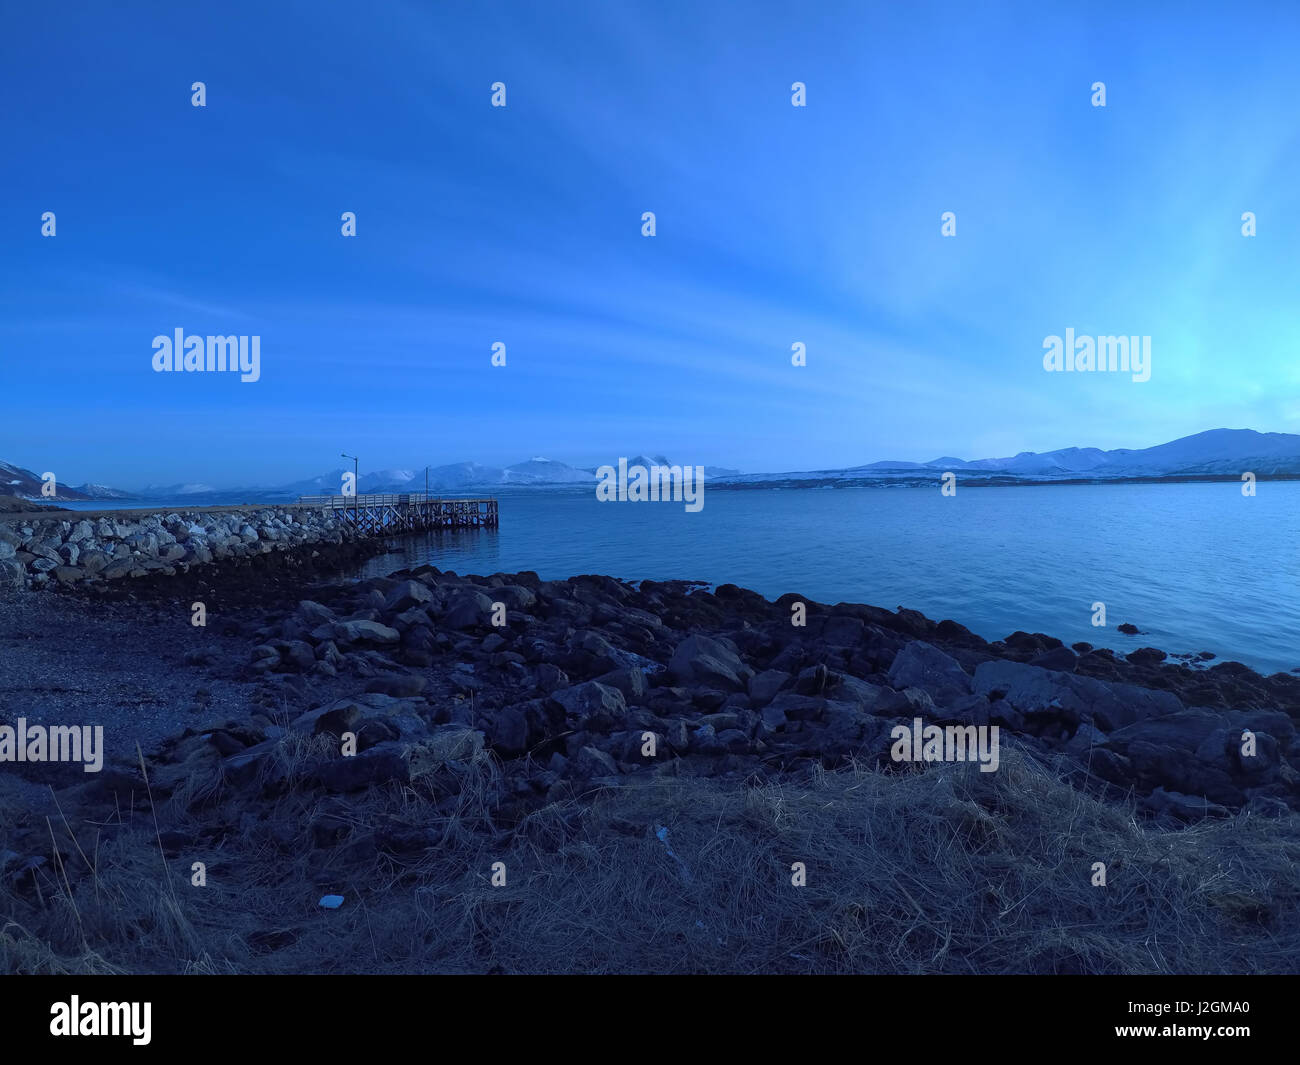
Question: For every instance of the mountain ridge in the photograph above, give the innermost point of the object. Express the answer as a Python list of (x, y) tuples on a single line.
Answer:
[(1212, 453)]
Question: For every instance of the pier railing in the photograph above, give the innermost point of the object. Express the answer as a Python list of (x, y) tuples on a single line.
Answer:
[(407, 511)]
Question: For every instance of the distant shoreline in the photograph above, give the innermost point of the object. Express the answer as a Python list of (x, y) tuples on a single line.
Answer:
[(994, 481), (9, 511)]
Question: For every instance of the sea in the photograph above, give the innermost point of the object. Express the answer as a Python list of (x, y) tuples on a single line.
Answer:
[(1195, 566)]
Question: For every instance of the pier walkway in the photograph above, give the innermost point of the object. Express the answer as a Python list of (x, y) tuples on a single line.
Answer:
[(407, 512)]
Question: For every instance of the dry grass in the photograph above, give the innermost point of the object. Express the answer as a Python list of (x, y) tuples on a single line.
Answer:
[(942, 870)]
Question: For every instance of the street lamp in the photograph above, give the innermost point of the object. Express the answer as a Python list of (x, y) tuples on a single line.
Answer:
[(356, 484)]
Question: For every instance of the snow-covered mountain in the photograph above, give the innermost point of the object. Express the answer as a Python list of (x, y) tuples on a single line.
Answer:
[(388, 480), (101, 491), (1215, 453), (171, 491), (453, 477), (24, 484), (544, 471)]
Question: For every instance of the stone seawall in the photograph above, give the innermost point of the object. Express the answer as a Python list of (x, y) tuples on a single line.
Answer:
[(66, 549)]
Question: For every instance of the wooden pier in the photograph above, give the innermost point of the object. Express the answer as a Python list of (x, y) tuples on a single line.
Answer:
[(378, 515)]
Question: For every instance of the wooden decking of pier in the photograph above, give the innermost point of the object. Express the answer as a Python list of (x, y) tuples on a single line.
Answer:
[(407, 512)]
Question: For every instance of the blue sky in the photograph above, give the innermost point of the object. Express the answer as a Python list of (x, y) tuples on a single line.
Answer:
[(522, 225)]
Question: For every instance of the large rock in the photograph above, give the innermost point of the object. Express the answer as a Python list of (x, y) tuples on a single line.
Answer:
[(313, 613), (1199, 752), (406, 595), (296, 654), (713, 663), (1182, 807), (468, 610), (364, 632), (93, 561), (791, 706), (594, 704), (396, 762), (43, 549), (921, 665), (839, 631), (1034, 691), (764, 686), (847, 688), (398, 685), (196, 551), (1058, 658), (336, 717), (593, 762), (81, 531), (514, 596), (507, 730), (631, 682)]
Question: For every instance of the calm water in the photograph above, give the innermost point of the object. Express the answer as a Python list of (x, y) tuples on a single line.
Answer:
[(1197, 567)]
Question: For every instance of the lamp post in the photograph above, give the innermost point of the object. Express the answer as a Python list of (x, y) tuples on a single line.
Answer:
[(356, 485)]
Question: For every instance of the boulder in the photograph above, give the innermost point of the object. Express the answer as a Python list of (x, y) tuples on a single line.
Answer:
[(469, 609), (406, 595), (313, 613), (792, 706), (399, 762), (764, 686), (296, 654), (921, 665), (593, 762), (842, 631), (631, 682), (1199, 752), (1058, 658), (94, 561), (514, 597), (1036, 691), (847, 688), (506, 731), (364, 632), (703, 660), (398, 685), (335, 718), (1182, 807), (592, 703)]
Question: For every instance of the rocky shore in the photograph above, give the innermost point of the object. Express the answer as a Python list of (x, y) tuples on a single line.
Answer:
[(579, 672), (522, 696)]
